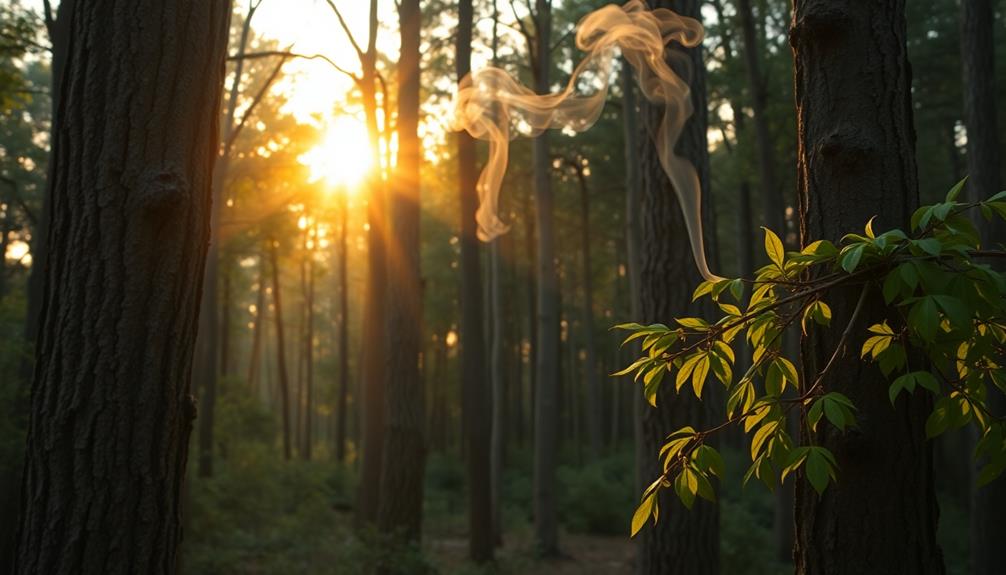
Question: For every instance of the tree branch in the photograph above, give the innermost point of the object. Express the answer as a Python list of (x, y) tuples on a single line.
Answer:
[(288, 54), (345, 28), (229, 144)]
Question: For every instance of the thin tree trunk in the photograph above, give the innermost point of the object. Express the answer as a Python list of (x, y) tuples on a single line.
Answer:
[(225, 325), (340, 434), (255, 362), (477, 395), (284, 378), (988, 506), (856, 160), (683, 542), (773, 203), (401, 496), (309, 361), (593, 419), (207, 370), (372, 381), (111, 406)]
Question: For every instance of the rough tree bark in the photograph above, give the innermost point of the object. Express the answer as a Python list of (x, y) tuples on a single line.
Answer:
[(111, 408), (401, 496), (988, 505), (683, 542), (856, 160), (476, 393), (593, 407)]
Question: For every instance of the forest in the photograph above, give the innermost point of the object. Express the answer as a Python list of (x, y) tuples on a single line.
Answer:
[(690, 287)]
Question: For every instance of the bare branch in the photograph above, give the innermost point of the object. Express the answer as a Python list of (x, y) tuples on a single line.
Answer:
[(50, 21), (16, 196), (229, 144), (345, 28), (288, 54), (562, 39)]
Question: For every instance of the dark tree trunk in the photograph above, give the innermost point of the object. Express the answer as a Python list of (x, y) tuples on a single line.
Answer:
[(683, 542), (988, 506), (773, 203), (255, 362), (593, 419), (856, 160), (372, 381), (400, 509), (546, 427), (208, 367), (340, 433), (284, 377), (308, 361), (111, 408), (475, 391), (225, 325)]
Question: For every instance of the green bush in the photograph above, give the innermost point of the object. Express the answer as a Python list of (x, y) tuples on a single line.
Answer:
[(598, 498)]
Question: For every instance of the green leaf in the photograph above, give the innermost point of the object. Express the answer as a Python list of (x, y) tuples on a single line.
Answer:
[(704, 288), (850, 260), (774, 248), (956, 190), (924, 317), (695, 323), (818, 468), (793, 461), (686, 487), (643, 513)]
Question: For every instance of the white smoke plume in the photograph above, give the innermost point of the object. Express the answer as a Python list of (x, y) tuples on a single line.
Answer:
[(491, 105)]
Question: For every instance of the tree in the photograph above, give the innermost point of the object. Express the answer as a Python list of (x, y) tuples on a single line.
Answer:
[(111, 412), (856, 161), (476, 394), (284, 375), (343, 321), (984, 156), (546, 384), (682, 541), (401, 493)]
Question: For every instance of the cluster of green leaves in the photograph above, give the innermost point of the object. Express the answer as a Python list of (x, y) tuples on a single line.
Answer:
[(947, 310)]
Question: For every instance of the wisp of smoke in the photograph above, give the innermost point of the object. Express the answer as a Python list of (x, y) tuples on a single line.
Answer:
[(491, 105)]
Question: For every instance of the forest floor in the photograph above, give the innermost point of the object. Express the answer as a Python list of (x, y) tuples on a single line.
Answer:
[(581, 555)]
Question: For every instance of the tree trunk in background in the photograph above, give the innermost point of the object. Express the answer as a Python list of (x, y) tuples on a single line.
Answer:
[(476, 394), (530, 241), (225, 324), (207, 370), (111, 408), (400, 509), (340, 434), (546, 414), (773, 203), (683, 542), (284, 377), (988, 506), (255, 362), (309, 359), (59, 35), (372, 382), (856, 160), (594, 418)]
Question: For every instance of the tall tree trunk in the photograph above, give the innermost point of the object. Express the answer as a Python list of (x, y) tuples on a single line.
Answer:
[(685, 542), (401, 496), (340, 434), (284, 378), (225, 324), (255, 362), (111, 408), (530, 241), (477, 395), (546, 427), (988, 507), (773, 203), (309, 360), (207, 370), (593, 419), (856, 160), (372, 381)]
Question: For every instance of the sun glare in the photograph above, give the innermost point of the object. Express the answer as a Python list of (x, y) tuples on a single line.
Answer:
[(342, 157)]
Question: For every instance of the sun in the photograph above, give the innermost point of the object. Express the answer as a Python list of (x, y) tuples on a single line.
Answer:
[(342, 156)]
